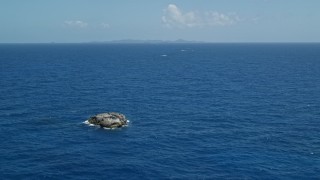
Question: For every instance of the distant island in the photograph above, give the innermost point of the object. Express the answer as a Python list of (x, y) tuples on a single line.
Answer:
[(133, 41)]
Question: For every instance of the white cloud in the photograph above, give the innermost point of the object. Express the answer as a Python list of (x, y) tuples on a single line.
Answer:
[(175, 17), (76, 23)]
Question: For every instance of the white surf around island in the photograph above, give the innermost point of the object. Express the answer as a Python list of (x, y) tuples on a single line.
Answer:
[(89, 124)]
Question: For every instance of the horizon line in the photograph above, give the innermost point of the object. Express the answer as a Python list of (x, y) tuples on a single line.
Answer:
[(164, 42)]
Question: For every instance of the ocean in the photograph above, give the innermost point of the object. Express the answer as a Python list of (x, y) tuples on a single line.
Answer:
[(196, 111)]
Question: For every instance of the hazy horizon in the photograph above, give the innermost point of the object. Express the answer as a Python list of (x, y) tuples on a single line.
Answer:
[(213, 21)]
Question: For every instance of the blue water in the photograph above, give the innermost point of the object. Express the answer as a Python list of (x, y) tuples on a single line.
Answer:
[(203, 111)]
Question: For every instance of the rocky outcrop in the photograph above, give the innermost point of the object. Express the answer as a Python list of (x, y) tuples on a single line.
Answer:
[(109, 120)]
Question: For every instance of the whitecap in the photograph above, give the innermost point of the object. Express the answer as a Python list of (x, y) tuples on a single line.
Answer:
[(163, 55), (87, 123)]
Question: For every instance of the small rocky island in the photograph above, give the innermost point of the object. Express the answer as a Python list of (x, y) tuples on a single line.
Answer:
[(108, 120)]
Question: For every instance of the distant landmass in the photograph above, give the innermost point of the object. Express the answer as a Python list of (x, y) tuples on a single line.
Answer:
[(133, 41)]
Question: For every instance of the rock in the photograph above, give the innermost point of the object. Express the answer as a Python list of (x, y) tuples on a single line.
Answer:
[(109, 120)]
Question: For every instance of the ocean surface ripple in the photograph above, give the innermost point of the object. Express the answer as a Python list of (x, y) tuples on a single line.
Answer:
[(197, 111)]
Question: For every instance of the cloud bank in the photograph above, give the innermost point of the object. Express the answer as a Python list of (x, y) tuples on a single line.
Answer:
[(77, 24), (175, 17)]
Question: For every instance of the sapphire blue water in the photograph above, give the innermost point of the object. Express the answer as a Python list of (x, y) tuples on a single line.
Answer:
[(196, 111)]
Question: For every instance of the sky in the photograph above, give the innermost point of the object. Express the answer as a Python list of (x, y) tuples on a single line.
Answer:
[(73, 21)]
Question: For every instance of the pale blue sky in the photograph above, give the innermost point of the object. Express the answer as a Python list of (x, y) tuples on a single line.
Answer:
[(203, 20)]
